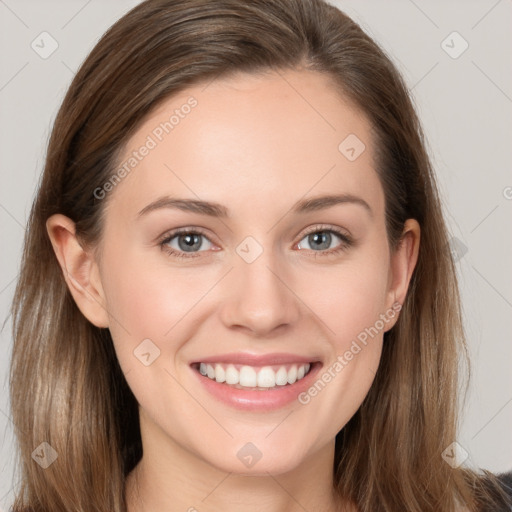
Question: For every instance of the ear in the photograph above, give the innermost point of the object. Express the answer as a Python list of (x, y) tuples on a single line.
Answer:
[(79, 268), (403, 262)]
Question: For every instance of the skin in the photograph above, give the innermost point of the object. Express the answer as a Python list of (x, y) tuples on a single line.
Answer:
[(257, 145)]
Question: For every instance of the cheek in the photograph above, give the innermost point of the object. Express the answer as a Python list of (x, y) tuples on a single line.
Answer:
[(349, 297), (351, 302), (150, 300)]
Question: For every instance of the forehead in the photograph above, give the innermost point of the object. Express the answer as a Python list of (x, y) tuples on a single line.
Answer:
[(251, 141)]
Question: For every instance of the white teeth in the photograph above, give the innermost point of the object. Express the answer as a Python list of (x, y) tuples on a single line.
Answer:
[(292, 374), (220, 374), (281, 376), (266, 377), (232, 375), (249, 377)]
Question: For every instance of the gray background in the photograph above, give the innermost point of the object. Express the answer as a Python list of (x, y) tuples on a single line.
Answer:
[(465, 105)]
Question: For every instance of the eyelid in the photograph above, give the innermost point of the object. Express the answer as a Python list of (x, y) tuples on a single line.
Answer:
[(168, 235), (327, 227)]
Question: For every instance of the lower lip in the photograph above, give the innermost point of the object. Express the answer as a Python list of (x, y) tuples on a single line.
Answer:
[(258, 400)]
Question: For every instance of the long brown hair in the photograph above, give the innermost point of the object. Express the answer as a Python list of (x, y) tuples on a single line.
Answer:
[(67, 388)]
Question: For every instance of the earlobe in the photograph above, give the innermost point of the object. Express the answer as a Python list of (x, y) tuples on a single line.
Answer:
[(79, 269), (403, 263)]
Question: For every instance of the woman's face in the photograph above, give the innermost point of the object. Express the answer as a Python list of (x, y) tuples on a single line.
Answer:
[(266, 279)]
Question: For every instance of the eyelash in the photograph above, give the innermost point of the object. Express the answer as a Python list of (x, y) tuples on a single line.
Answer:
[(346, 241)]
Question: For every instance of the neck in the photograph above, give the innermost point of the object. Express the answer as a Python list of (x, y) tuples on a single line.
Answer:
[(176, 479)]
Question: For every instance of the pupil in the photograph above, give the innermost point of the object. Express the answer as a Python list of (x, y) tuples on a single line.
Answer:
[(190, 241), (324, 238)]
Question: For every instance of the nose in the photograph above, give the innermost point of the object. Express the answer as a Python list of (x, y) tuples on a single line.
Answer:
[(259, 297)]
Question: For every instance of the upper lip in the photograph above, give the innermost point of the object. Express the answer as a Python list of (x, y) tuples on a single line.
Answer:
[(258, 359)]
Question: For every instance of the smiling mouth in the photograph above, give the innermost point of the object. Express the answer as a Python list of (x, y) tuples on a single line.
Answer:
[(254, 378)]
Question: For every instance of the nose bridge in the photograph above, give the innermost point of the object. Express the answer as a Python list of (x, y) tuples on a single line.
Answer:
[(258, 297)]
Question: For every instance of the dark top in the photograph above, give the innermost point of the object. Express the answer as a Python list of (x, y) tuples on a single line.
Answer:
[(506, 483)]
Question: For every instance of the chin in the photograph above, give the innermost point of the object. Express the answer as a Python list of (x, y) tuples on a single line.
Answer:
[(249, 462)]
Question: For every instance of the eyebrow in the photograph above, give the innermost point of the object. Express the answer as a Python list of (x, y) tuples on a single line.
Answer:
[(213, 209)]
